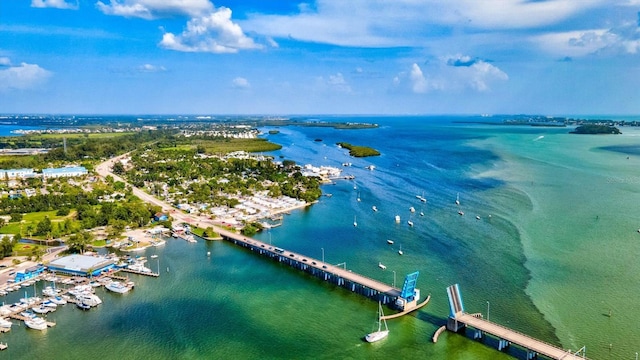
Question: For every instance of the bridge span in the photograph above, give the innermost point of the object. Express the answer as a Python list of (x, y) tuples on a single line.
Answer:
[(459, 320)]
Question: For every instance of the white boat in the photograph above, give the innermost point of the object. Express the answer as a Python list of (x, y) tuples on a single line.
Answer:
[(50, 304), (412, 209), (118, 287), (382, 266), (358, 196), (36, 323), (139, 267), (58, 300), (410, 222), (400, 251), (460, 213), (5, 323), (49, 291), (40, 309), (83, 306), (380, 334), (421, 213), (89, 299), (153, 256), (389, 241), (355, 223), (397, 218), (374, 208), (477, 217), (458, 199)]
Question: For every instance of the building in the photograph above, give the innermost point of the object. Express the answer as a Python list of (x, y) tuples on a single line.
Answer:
[(82, 265), (64, 172), (29, 273), (17, 174)]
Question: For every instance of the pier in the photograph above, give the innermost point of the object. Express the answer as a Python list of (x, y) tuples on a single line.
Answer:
[(459, 321), (404, 299)]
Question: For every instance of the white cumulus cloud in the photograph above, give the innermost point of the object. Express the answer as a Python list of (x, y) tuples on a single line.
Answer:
[(152, 9), (21, 77), (151, 68), (57, 4), (338, 83), (452, 73), (214, 32), (240, 83)]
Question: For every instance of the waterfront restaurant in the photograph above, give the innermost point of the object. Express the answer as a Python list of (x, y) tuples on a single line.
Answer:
[(81, 265)]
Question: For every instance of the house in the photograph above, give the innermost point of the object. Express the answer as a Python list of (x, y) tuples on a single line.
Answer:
[(160, 217)]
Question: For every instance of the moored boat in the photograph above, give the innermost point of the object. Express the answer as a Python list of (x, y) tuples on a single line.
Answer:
[(380, 334), (36, 323), (118, 287)]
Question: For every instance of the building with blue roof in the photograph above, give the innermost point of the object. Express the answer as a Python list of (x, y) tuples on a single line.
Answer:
[(64, 172)]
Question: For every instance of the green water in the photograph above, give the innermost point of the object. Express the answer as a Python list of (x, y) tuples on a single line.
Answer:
[(579, 233)]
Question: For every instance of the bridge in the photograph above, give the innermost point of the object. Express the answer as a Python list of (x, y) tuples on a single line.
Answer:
[(405, 299), (459, 320)]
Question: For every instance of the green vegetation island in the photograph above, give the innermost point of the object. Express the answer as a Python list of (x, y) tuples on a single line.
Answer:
[(359, 151), (596, 129)]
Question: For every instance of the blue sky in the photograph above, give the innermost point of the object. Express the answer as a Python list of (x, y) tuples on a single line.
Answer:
[(549, 57)]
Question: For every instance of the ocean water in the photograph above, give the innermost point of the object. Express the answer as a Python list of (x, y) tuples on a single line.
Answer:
[(554, 252)]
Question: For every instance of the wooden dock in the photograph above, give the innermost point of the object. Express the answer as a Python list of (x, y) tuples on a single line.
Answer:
[(152, 274)]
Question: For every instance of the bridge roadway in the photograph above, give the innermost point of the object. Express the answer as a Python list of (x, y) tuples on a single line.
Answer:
[(515, 337), (315, 263)]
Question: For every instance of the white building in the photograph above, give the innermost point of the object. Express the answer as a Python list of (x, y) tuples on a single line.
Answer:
[(16, 174), (64, 172)]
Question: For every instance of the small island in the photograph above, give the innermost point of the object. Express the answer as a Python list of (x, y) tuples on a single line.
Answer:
[(359, 151), (596, 129)]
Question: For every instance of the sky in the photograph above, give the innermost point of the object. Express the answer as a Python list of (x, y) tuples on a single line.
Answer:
[(279, 57)]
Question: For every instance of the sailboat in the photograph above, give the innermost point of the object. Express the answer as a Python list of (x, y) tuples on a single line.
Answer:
[(358, 196), (458, 199), (380, 334), (400, 251), (355, 223), (374, 208)]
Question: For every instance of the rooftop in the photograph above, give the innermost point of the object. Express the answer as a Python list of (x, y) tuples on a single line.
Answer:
[(80, 262)]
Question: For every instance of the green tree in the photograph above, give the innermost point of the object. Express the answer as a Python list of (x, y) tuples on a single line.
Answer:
[(44, 227), (118, 168)]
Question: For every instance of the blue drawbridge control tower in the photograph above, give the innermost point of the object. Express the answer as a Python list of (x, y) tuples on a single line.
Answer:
[(409, 294)]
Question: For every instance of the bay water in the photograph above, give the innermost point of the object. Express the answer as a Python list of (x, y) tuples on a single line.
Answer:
[(553, 254)]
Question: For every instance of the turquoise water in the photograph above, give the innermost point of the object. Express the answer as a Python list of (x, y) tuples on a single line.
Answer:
[(557, 253)]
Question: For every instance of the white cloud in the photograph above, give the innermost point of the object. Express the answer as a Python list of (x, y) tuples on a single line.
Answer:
[(57, 4), (380, 23), (5, 61), (152, 9), (240, 83), (418, 81), (21, 77), (151, 68), (214, 32), (338, 83), (451, 74)]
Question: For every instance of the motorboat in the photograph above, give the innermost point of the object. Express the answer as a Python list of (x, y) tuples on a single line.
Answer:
[(40, 309), (36, 323), (58, 300), (410, 222), (374, 208), (118, 287), (382, 266), (389, 241), (5, 323), (397, 218), (83, 306)]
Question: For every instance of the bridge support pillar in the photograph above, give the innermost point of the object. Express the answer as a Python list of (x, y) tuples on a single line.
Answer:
[(478, 335), (503, 344), (454, 325)]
